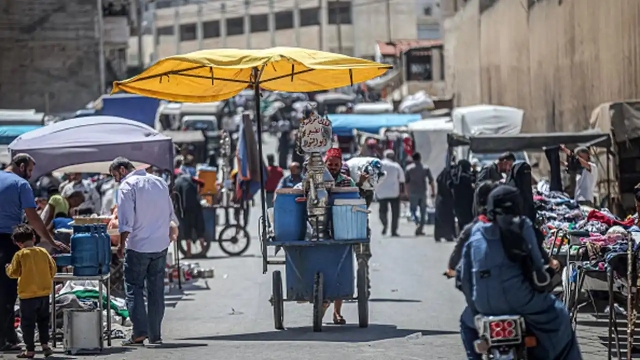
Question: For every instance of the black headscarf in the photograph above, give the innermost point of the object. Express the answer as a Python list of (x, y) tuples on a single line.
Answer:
[(505, 209), (463, 169)]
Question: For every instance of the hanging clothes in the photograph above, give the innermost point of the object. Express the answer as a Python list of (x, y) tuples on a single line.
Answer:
[(445, 222)]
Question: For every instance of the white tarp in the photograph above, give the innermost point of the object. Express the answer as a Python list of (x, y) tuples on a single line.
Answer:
[(486, 120), (430, 140)]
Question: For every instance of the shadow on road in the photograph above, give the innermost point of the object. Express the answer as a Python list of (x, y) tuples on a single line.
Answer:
[(395, 300), (339, 334), (177, 346)]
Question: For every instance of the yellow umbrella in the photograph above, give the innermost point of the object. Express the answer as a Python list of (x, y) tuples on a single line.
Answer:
[(215, 75)]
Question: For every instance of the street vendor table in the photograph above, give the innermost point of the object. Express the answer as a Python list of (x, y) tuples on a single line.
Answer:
[(103, 281)]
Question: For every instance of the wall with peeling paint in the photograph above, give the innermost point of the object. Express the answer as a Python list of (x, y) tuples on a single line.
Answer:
[(557, 59), (48, 54)]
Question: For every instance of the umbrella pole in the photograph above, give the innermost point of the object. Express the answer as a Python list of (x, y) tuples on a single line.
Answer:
[(263, 219)]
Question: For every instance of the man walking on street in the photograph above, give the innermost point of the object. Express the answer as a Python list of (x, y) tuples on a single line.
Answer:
[(417, 176), (145, 214), (17, 196), (388, 192)]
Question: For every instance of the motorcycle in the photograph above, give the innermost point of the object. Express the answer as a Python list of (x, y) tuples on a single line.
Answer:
[(503, 337)]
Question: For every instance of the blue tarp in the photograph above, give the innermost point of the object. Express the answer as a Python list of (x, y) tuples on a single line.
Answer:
[(11, 132), (344, 124), (133, 107)]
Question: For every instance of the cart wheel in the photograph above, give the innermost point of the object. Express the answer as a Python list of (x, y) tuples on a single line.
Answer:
[(234, 240), (318, 303), (363, 298), (278, 301), (198, 250)]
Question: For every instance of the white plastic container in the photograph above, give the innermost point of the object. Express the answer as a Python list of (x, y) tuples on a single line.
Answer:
[(349, 219), (82, 331)]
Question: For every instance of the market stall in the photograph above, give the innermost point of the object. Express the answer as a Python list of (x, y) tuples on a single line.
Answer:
[(598, 250), (88, 145), (219, 74)]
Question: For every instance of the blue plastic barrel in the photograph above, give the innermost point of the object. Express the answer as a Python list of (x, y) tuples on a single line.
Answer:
[(289, 216), (349, 219), (85, 250), (343, 193)]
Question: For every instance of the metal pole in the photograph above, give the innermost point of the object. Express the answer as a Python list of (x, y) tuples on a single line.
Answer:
[(247, 23), (296, 21), (223, 24), (272, 23), (139, 14), (101, 59), (176, 28), (199, 29), (154, 32), (338, 27), (389, 20), (263, 197)]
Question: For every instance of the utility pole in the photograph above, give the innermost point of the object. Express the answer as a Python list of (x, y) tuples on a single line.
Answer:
[(338, 23), (223, 23), (199, 29), (296, 21), (154, 32), (101, 59), (272, 23), (389, 20), (139, 15), (247, 23), (176, 28)]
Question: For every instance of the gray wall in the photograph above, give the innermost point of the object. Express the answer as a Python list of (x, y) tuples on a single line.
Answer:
[(48, 54)]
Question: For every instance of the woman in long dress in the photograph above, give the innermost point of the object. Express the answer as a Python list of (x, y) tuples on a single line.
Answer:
[(462, 187), (445, 222)]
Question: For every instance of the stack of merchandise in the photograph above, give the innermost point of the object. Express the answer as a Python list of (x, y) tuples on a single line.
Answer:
[(591, 235)]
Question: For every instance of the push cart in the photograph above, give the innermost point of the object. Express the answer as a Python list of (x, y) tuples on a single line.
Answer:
[(320, 272)]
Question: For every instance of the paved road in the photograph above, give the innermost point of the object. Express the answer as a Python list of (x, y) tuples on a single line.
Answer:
[(414, 311)]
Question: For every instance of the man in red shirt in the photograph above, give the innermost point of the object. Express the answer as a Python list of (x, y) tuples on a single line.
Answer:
[(274, 174)]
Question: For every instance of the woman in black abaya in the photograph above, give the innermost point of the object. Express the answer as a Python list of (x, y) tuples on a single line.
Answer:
[(463, 193), (445, 222)]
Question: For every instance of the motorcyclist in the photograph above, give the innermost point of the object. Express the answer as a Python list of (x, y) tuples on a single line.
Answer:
[(502, 272)]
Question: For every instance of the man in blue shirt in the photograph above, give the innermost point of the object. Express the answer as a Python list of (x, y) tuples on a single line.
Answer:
[(17, 197), (290, 181)]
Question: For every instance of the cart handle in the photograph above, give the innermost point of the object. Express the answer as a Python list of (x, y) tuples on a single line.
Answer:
[(357, 208)]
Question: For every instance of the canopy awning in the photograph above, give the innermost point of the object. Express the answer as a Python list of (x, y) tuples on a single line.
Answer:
[(528, 142)]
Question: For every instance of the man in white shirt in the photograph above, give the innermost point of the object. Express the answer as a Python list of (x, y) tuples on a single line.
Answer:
[(586, 178), (92, 201), (145, 212), (388, 192)]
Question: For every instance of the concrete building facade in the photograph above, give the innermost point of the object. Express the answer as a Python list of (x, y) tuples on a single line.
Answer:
[(351, 27), (49, 53)]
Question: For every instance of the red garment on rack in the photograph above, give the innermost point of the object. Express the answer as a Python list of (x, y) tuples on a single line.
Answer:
[(595, 215), (408, 146)]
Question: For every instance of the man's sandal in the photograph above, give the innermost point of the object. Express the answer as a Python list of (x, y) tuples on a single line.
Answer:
[(26, 355), (339, 320)]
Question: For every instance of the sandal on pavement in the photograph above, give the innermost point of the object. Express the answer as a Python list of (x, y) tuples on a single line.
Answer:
[(27, 355), (132, 342), (47, 352), (339, 320)]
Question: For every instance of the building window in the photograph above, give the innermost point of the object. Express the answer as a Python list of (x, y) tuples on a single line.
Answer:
[(235, 26), (339, 11), (259, 23), (428, 32), (284, 20), (211, 29), (165, 31), (427, 11), (187, 32), (309, 17)]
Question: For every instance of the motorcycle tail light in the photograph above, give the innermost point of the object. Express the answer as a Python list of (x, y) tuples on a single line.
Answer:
[(503, 330)]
